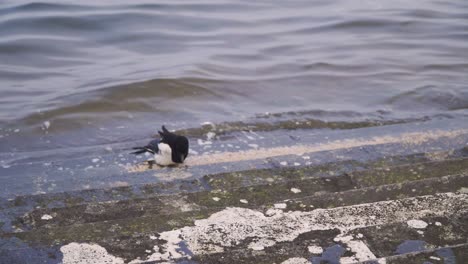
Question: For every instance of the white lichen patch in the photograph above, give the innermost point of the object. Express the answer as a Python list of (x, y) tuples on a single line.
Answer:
[(418, 224), (382, 261), (171, 248), (280, 205), (46, 217), (233, 225), (296, 261), (261, 244), (75, 253), (271, 212), (295, 190), (361, 252), (316, 250)]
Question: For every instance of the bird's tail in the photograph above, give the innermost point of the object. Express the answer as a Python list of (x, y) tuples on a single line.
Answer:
[(140, 150)]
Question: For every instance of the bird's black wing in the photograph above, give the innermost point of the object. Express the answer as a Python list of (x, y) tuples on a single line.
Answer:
[(179, 144), (152, 147), (181, 149)]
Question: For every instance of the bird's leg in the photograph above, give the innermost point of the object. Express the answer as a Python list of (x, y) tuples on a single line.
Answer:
[(151, 163)]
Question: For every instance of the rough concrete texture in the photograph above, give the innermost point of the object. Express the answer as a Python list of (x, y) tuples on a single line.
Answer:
[(403, 199)]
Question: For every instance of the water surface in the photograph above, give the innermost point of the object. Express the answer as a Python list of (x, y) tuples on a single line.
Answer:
[(81, 74)]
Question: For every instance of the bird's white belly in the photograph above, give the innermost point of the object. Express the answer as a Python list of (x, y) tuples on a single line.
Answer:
[(164, 156)]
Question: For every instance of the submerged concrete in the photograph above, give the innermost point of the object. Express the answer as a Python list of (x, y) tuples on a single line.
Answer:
[(390, 198)]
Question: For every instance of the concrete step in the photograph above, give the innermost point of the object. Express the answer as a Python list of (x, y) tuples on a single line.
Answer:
[(354, 207), (387, 194)]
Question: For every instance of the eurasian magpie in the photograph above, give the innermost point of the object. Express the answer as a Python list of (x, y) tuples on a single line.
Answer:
[(170, 149)]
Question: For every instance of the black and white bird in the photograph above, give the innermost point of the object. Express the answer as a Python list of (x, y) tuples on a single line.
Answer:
[(170, 149)]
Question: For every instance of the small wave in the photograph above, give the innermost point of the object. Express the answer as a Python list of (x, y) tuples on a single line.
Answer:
[(431, 97)]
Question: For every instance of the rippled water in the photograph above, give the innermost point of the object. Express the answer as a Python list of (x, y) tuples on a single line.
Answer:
[(116, 70)]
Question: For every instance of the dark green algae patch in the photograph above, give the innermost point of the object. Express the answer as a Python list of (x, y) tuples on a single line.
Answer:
[(296, 120)]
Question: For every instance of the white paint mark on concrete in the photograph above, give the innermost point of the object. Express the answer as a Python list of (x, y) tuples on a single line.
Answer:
[(418, 224)]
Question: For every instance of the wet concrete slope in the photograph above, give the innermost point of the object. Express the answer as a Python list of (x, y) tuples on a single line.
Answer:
[(386, 193)]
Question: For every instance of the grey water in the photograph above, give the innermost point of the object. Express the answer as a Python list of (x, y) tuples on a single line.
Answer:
[(76, 74)]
